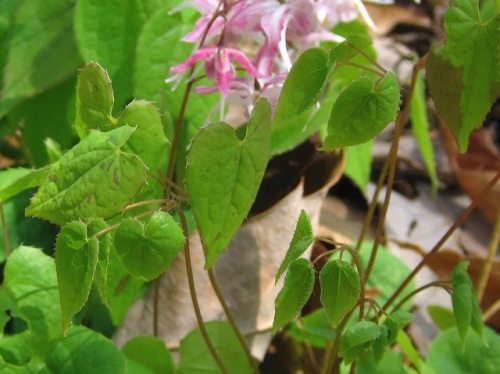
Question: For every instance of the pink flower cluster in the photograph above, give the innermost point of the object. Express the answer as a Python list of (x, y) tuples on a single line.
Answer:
[(248, 46)]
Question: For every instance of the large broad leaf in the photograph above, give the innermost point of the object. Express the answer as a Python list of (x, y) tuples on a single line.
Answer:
[(362, 111), (446, 355), (464, 74), (358, 164), (196, 358), (465, 305), (95, 179), (302, 239), (146, 250), (151, 353), (340, 289), (85, 351), (100, 26), (223, 176), (42, 50), (303, 86), (299, 282), (30, 282), (76, 261)]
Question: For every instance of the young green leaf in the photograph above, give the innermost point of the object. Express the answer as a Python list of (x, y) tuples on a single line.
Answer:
[(86, 351), (303, 86), (362, 111), (223, 176), (357, 339), (465, 305), (41, 34), (196, 358), (146, 250), (340, 289), (472, 41), (14, 181), (302, 239), (151, 353), (442, 317), (380, 345), (95, 179), (348, 49), (395, 322), (76, 261), (94, 100), (420, 126), (299, 282)]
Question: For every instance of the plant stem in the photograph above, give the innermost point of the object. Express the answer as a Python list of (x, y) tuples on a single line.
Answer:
[(445, 237), (332, 349), (420, 289), (486, 270), (231, 320), (393, 155), (194, 298), (490, 312), (4, 231)]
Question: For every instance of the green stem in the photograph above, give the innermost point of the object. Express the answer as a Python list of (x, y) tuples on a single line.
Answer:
[(194, 298), (486, 270), (393, 154), (231, 320), (420, 289), (445, 237)]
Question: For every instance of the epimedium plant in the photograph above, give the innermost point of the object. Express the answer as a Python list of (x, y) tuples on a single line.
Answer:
[(143, 174)]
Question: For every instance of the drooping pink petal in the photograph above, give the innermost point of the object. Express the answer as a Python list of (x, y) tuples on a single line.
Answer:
[(201, 54)]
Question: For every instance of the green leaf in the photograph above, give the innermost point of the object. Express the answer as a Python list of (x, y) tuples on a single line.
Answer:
[(442, 317), (302, 239), (303, 86), (359, 163), (362, 111), (95, 179), (42, 33), (101, 271), (99, 28), (94, 100), (357, 339), (313, 329), (340, 288), (465, 305), (395, 322), (76, 261), (196, 358), (223, 176), (151, 353), (446, 355), (407, 347), (85, 351), (420, 126), (14, 181), (390, 363), (147, 250), (30, 282), (347, 50), (297, 288), (469, 55)]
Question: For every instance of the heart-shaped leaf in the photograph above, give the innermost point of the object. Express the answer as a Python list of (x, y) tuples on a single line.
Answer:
[(357, 339), (340, 289), (76, 261), (146, 250), (362, 110), (95, 179), (223, 176)]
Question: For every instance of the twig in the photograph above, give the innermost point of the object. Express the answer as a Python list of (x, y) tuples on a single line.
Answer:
[(486, 270)]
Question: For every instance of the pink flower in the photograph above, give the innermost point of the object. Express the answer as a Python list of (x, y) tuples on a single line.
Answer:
[(218, 66)]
